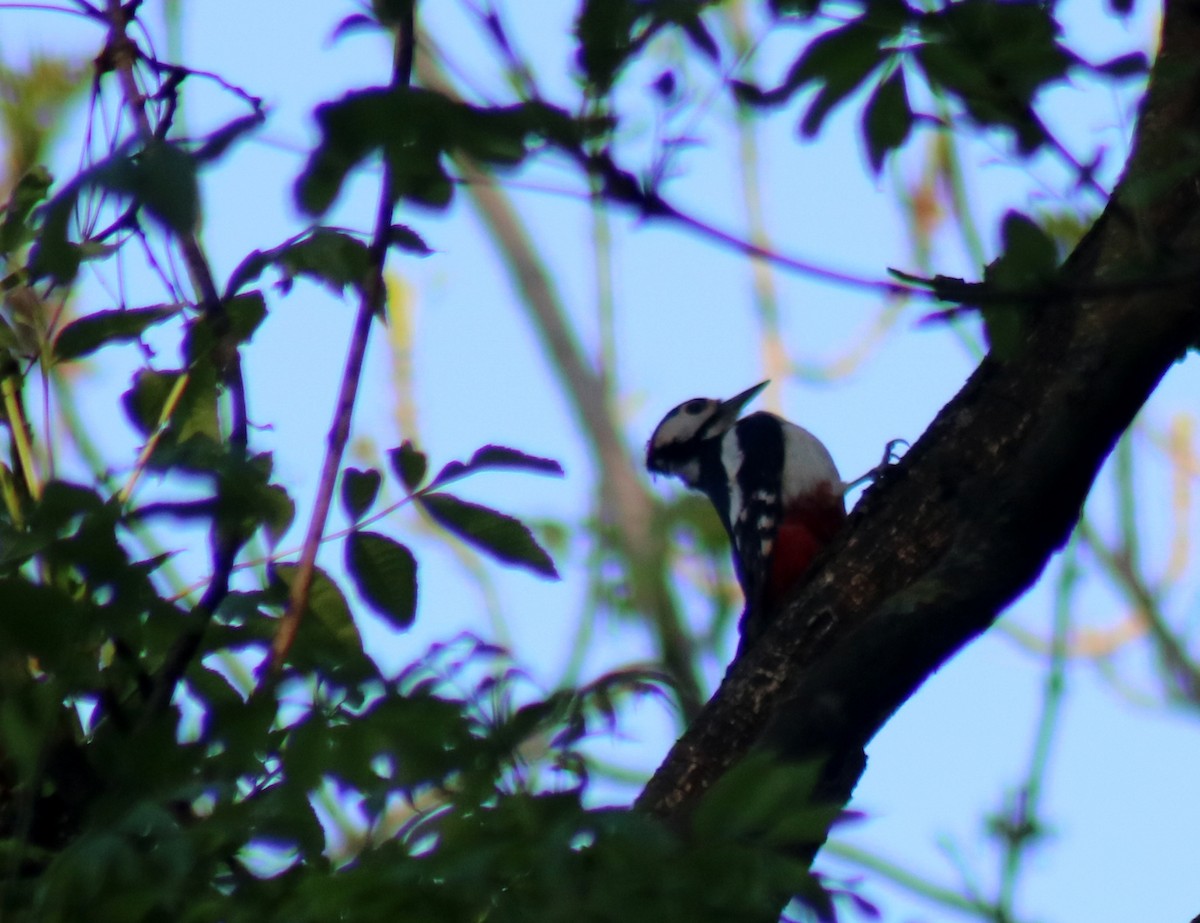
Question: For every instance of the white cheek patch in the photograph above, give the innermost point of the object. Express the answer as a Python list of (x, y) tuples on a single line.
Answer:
[(731, 461)]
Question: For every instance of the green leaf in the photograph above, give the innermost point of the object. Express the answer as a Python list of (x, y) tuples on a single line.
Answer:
[(53, 255), (409, 463), (278, 512), (404, 237), (761, 794), (995, 58), (842, 75), (887, 119), (246, 312), (416, 129), (87, 334), (495, 457), (30, 189), (194, 411), (326, 604), (161, 177), (283, 815), (503, 537), (385, 573), (40, 621), (146, 398), (359, 490), (1029, 252), (1027, 268), (216, 144), (840, 60), (334, 258), (604, 31)]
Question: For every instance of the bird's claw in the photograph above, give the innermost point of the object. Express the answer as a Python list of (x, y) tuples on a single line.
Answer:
[(890, 457)]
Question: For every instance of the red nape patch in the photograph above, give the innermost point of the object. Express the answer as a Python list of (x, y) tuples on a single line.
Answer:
[(806, 529)]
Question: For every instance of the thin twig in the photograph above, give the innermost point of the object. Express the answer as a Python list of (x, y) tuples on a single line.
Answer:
[(370, 304)]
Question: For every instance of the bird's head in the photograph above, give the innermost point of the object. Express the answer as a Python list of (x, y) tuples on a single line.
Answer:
[(677, 442)]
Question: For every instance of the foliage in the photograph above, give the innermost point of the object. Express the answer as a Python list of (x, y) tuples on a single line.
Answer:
[(183, 752)]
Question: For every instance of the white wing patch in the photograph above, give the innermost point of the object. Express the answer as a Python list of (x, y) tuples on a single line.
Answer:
[(807, 463)]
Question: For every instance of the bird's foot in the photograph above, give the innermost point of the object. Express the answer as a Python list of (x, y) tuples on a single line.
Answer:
[(890, 457)]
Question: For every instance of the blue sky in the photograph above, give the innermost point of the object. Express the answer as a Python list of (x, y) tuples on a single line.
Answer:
[(1121, 791)]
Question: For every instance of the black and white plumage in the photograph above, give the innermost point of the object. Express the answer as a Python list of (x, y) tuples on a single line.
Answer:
[(773, 484)]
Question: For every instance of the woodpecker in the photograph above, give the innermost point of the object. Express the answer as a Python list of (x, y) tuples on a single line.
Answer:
[(773, 483)]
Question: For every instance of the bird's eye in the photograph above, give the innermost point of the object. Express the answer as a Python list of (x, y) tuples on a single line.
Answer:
[(695, 405)]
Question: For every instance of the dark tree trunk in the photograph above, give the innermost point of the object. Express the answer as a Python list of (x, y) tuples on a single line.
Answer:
[(970, 517)]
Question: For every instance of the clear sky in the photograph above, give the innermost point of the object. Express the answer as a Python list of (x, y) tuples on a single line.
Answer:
[(1121, 797)]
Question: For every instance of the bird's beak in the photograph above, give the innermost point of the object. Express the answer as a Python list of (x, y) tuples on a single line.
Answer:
[(732, 408)]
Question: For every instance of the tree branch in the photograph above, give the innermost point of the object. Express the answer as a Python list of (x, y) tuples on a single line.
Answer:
[(969, 518)]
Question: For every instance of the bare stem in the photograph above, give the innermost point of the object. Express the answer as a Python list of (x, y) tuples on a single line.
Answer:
[(370, 304)]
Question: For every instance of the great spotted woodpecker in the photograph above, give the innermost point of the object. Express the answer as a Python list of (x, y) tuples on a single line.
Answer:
[(773, 483)]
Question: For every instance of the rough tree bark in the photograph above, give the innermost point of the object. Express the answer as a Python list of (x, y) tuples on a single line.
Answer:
[(970, 517)]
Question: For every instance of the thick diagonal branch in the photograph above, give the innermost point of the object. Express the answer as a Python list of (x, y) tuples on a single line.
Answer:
[(970, 518)]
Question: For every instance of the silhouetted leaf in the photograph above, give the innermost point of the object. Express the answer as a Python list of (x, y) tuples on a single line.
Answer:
[(279, 511), (415, 129), (359, 490), (758, 795), (334, 258), (1027, 267), (144, 401), (246, 312), (161, 177), (352, 23), (327, 605), (39, 621), (385, 573), (30, 189), (497, 457), (217, 143), (503, 537), (409, 463), (1028, 250), (995, 58), (605, 41), (87, 334), (404, 237), (887, 119), (839, 60)]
